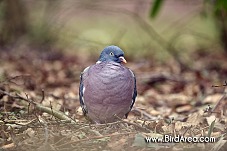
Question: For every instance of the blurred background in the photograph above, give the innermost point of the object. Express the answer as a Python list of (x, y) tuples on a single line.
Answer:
[(176, 48), (144, 29)]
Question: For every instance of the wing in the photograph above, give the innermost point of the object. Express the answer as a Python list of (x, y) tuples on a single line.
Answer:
[(134, 94), (82, 89)]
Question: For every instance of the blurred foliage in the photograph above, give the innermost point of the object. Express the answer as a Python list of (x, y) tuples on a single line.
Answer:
[(86, 27), (220, 10), (13, 21), (218, 7), (155, 8), (16, 26), (43, 34)]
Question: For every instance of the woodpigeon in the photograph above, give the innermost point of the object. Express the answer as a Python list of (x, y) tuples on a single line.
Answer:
[(107, 88)]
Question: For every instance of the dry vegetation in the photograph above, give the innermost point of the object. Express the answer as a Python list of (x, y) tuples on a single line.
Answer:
[(40, 108)]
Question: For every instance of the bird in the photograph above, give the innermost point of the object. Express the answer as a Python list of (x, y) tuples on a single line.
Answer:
[(107, 89)]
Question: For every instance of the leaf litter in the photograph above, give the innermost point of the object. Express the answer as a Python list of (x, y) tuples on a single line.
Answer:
[(40, 108)]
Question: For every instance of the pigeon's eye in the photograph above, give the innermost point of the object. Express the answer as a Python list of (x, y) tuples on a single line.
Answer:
[(111, 53)]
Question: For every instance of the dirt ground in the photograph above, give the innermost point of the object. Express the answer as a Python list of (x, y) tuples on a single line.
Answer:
[(39, 105)]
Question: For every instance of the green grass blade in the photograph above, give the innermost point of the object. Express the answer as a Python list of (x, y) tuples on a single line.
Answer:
[(211, 128), (155, 8)]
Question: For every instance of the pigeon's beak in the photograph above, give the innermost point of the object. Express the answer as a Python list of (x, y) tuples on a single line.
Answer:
[(122, 59)]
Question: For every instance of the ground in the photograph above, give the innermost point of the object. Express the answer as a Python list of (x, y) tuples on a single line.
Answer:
[(39, 104)]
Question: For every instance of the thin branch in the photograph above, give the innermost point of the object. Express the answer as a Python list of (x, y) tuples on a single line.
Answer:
[(134, 124), (224, 85), (150, 117), (57, 114), (43, 96), (220, 104), (46, 132), (10, 79)]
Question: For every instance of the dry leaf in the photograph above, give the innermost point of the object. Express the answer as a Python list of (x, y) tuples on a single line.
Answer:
[(195, 119)]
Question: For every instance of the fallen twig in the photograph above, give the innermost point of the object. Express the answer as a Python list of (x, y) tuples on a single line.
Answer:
[(46, 132), (8, 146), (134, 124), (150, 117), (19, 122), (43, 96), (57, 114), (221, 105), (10, 79), (224, 85)]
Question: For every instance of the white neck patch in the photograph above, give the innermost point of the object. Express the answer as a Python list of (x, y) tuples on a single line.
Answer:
[(98, 62)]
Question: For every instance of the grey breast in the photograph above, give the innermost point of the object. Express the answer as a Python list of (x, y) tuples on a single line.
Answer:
[(108, 91)]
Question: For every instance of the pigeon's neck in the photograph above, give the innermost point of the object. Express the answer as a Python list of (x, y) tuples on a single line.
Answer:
[(108, 62), (98, 62)]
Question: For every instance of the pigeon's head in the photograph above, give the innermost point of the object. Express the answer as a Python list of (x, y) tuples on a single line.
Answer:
[(112, 53)]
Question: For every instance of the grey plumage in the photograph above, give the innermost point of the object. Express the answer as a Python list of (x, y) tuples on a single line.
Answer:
[(107, 88)]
